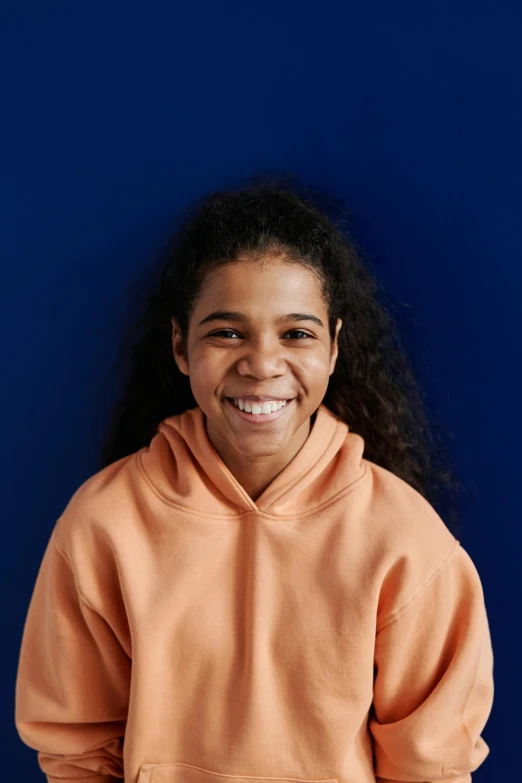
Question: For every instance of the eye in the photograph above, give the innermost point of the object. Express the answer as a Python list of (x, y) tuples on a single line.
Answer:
[(221, 332), (231, 331), (299, 331)]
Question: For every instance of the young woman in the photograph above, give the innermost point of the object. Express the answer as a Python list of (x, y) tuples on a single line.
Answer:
[(257, 583)]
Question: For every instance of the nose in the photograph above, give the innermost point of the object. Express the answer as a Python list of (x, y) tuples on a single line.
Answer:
[(263, 360)]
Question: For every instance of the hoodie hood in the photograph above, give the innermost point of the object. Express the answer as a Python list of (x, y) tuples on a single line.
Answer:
[(184, 468)]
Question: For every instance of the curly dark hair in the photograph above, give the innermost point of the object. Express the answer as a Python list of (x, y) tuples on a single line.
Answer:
[(373, 387)]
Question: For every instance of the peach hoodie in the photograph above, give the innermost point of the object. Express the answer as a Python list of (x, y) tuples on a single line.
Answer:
[(179, 632)]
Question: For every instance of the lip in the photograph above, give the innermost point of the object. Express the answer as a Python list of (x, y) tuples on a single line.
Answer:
[(257, 418), (259, 399)]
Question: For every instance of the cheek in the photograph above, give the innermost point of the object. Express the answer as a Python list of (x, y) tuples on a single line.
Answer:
[(317, 365), (208, 367)]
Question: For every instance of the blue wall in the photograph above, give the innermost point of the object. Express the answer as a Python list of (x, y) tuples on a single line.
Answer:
[(116, 115)]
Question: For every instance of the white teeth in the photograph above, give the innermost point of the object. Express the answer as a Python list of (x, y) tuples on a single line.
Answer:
[(256, 408)]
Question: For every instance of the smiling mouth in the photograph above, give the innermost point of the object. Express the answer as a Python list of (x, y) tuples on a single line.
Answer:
[(259, 417)]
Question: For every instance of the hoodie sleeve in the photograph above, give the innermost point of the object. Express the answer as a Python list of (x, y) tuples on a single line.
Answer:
[(73, 680), (433, 683)]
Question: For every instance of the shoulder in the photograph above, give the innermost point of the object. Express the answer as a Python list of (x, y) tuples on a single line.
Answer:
[(408, 514), (410, 542), (100, 505)]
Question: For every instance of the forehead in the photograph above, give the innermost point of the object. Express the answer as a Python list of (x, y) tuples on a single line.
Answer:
[(264, 285)]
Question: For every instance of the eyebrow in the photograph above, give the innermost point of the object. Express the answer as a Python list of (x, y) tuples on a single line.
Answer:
[(234, 315)]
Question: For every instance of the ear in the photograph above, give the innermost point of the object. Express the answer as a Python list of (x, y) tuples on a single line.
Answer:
[(177, 348), (335, 347)]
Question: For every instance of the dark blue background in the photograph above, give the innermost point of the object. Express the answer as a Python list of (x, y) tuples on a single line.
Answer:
[(115, 115)]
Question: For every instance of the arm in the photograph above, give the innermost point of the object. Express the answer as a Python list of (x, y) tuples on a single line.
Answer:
[(433, 689), (73, 680)]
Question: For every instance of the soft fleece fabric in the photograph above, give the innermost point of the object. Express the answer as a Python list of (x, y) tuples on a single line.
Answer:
[(179, 632)]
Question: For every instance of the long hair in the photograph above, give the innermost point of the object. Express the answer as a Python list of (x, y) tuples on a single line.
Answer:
[(373, 386)]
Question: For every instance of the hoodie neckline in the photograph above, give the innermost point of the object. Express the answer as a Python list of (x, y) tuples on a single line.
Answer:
[(326, 436)]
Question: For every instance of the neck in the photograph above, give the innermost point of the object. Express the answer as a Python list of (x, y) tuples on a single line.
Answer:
[(257, 474)]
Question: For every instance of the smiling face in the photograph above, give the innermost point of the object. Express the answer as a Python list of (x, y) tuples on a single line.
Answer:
[(254, 351)]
